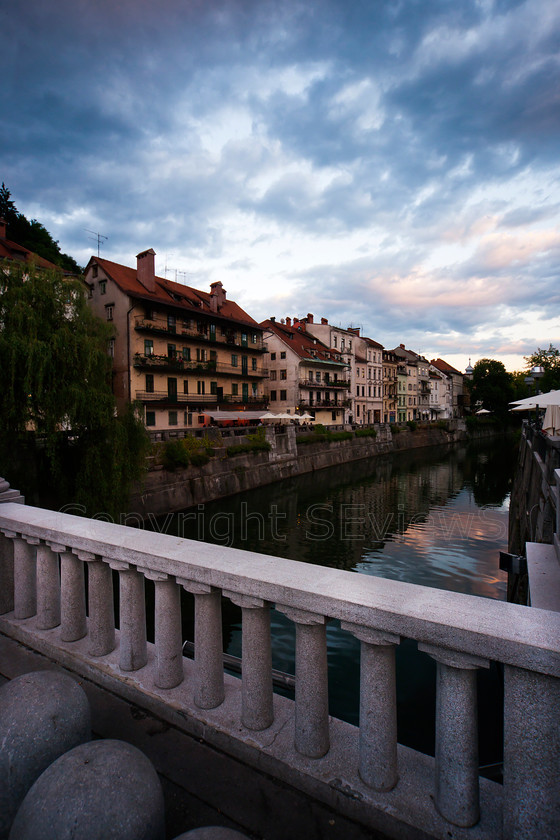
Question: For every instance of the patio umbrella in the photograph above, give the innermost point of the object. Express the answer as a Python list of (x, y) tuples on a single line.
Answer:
[(540, 400), (482, 411), (551, 422), (303, 417)]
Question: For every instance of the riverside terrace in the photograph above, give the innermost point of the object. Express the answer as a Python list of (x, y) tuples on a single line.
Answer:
[(361, 773)]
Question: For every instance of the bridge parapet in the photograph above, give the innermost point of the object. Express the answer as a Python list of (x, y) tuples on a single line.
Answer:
[(361, 771)]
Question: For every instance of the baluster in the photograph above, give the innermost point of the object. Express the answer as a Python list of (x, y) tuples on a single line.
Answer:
[(256, 671), (25, 577), (208, 644), (457, 786), (378, 706), (101, 604), (73, 624), (531, 755), (7, 571), (48, 585), (133, 643), (168, 634), (312, 700)]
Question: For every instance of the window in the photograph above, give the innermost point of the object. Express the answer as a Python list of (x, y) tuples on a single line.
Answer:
[(109, 312), (335, 341), (349, 345), (185, 386), (94, 271), (244, 339), (254, 338), (102, 287), (172, 418), (186, 354), (171, 324), (273, 357), (212, 332), (149, 316), (150, 383), (283, 374), (357, 390), (201, 354), (172, 351), (283, 354), (187, 418), (341, 344), (148, 347), (282, 395), (363, 391), (273, 396), (111, 348), (234, 360), (317, 376), (234, 389), (150, 418), (213, 387), (273, 375), (253, 364), (172, 388), (200, 387)]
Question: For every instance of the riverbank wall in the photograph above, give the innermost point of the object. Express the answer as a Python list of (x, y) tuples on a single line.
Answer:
[(291, 454)]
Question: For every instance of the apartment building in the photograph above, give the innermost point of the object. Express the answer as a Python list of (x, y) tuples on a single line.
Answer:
[(390, 387), (180, 352), (455, 382), (305, 375)]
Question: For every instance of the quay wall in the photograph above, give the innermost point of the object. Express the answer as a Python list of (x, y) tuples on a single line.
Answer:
[(163, 491)]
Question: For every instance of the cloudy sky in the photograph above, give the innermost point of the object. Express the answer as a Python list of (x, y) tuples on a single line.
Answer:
[(389, 164)]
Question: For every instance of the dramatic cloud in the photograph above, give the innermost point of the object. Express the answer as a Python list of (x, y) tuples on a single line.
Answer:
[(389, 165)]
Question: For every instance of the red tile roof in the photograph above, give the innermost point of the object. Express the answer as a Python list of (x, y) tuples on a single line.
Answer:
[(12, 251), (303, 343), (445, 367), (170, 293)]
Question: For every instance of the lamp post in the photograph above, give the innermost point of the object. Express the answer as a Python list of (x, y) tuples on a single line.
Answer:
[(535, 374)]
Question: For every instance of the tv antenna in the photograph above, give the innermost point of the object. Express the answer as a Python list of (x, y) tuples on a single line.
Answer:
[(96, 237)]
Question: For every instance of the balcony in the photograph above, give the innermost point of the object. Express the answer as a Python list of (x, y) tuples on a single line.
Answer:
[(175, 398), (172, 363), (324, 403), (312, 383), (160, 326)]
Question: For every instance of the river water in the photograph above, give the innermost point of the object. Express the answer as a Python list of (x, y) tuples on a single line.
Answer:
[(436, 517)]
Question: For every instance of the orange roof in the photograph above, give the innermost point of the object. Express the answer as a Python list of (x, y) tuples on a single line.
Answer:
[(12, 251), (170, 293), (445, 367), (303, 343)]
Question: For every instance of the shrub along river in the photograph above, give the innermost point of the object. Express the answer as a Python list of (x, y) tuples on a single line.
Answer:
[(436, 517)]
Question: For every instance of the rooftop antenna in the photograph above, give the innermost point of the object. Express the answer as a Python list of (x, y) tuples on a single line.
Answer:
[(96, 236)]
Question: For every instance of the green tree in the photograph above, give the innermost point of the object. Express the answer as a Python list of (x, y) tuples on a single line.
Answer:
[(60, 438), (550, 361), (491, 387), (32, 234)]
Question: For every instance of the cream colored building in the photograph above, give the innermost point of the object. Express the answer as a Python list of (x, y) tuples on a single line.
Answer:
[(181, 353)]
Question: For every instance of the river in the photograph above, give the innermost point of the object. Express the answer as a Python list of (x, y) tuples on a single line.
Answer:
[(436, 517)]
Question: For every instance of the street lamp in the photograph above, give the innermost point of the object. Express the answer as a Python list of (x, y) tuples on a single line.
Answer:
[(535, 374)]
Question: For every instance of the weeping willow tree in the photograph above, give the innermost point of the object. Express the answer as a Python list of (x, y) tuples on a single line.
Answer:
[(61, 441)]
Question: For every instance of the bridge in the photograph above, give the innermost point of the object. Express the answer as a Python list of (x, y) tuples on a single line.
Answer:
[(57, 602)]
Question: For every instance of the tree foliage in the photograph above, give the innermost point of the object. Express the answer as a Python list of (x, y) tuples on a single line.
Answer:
[(58, 426), (32, 234), (550, 361), (491, 387)]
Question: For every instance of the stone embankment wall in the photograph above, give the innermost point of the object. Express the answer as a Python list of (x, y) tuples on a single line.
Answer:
[(163, 491)]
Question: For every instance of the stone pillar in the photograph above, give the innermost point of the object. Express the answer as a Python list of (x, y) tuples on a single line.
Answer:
[(6, 571), (72, 597), (531, 755), (208, 644), (25, 577), (378, 706), (457, 786), (48, 586), (257, 696), (101, 605), (168, 633), (312, 695), (133, 643)]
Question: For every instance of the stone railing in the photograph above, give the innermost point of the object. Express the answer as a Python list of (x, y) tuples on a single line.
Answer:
[(361, 771)]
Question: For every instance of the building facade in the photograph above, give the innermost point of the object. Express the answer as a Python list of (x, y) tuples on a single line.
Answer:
[(179, 352)]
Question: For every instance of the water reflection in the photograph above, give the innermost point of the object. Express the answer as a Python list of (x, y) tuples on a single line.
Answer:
[(433, 518)]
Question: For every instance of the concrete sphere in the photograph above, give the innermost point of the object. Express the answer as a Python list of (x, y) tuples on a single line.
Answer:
[(212, 832), (42, 715), (104, 790)]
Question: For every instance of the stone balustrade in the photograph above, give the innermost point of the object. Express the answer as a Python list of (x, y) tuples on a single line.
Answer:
[(46, 558)]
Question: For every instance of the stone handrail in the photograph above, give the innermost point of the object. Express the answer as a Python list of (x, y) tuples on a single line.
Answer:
[(43, 596)]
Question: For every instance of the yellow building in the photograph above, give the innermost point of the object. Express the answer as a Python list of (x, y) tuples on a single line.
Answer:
[(180, 352)]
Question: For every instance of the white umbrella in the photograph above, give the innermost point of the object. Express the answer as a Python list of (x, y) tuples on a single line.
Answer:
[(540, 400), (482, 411), (300, 417), (551, 422)]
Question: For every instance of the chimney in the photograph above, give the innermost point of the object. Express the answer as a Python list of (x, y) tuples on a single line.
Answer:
[(288, 322), (324, 321), (217, 295), (402, 346), (309, 318), (145, 269), (2, 228)]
